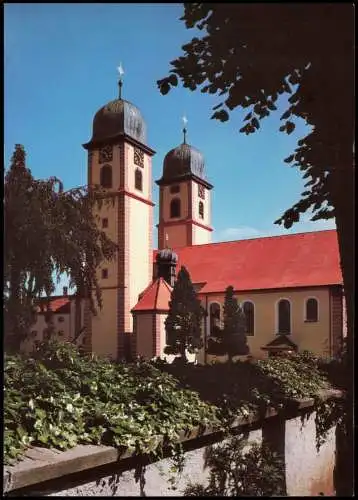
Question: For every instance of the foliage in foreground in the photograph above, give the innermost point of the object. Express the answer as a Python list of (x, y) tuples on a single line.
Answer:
[(59, 397), (236, 471)]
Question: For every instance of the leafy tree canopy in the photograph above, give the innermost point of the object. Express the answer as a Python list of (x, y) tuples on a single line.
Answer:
[(48, 231), (183, 323), (250, 54)]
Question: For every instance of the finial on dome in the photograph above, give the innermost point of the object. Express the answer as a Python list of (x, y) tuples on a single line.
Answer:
[(185, 121), (120, 82)]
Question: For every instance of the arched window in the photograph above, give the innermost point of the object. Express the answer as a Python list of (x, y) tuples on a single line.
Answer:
[(138, 180), (201, 210), (284, 316), (311, 312), (214, 318), (249, 311), (175, 208), (106, 176)]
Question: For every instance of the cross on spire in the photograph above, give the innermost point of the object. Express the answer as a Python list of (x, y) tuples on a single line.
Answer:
[(185, 121), (120, 82)]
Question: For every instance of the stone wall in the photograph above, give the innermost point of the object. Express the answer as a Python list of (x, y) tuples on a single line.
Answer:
[(97, 471)]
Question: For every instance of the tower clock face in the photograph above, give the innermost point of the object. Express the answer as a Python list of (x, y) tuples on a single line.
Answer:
[(138, 157), (105, 154), (201, 192)]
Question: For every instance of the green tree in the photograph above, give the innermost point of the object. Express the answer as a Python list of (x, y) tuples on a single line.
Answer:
[(183, 323), (47, 232), (234, 336), (250, 54)]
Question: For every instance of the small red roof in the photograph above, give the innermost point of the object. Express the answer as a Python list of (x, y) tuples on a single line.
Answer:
[(155, 297), (294, 260), (58, 304)]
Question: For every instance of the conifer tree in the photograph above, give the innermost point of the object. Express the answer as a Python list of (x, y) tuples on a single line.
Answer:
[(234, 336), (183, 323)]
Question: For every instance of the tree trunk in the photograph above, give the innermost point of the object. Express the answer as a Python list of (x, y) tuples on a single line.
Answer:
[(182, 351), (78, 316), (13, 333), (345, 231)]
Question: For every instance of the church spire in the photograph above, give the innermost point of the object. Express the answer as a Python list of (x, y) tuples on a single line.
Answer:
[(120, 82), (185, 121)]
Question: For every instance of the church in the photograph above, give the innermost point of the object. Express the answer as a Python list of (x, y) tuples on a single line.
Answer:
[(290, 287)]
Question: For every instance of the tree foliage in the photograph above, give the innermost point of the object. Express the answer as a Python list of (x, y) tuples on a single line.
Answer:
[(48, 231), (231, 339), (251, 54), (59, 398), (183, 323), (235, 340)]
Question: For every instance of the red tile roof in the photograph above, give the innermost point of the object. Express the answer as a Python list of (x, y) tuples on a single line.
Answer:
[(155, 297), (295, 260), (58, 304)]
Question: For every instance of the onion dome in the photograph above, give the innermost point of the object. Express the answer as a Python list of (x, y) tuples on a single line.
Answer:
[(166, 255), (183, 162), (118, 117)]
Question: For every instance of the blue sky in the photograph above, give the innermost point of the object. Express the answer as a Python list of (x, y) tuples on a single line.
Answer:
[(60, 68)]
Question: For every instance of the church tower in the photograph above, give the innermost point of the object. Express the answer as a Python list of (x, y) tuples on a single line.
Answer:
[(184, 199), (120, 161)]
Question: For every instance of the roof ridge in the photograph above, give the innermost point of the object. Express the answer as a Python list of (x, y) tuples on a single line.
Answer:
[(157, 291), (254, 238)]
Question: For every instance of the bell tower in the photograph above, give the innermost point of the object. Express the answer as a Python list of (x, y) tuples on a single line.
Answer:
[(184, 198), (120, 161)]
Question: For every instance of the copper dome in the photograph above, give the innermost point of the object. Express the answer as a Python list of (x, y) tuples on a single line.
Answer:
[(118, 117), (181, 161)]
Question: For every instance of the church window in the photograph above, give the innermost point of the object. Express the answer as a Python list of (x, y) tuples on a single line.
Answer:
[(61, 319), (284, 316), (105, 154), (175, 208), (201, 210), (201, 192), (214, 319), (104, 223), (139, 157), (249, 311), (106, 176), (104, 274), (175, 189), (311, 310), (138, 180)]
